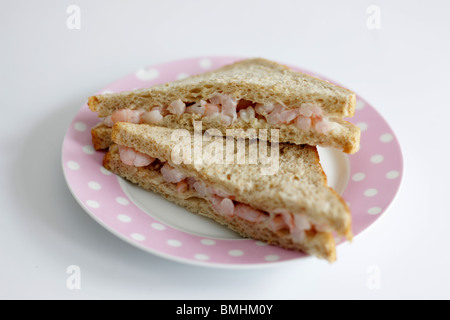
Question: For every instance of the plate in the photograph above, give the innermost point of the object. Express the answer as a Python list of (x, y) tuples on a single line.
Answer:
[(367, 180)]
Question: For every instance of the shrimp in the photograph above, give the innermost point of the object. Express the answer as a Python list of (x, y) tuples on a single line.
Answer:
[(152, 117), (177, 107), (250, 214), (131, 157), (170, 174), (264, 109), (127, 115), (223, 206), (303, 123), (322, 126), (247, 115), (287, 116), (229, 105), (108, 122), (182, 186)]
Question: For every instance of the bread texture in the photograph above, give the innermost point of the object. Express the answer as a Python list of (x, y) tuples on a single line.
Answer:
[(258, 80), (346, 138), (298, 184), (320, 244), (101, 137)]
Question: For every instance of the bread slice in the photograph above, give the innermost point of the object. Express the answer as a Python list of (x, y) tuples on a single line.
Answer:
[(320, 244), (259, 81), (298, 185)]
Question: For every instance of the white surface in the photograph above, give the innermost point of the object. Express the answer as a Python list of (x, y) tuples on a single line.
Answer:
[(48, 71)]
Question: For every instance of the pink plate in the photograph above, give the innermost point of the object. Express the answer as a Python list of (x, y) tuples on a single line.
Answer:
[(368, 181)]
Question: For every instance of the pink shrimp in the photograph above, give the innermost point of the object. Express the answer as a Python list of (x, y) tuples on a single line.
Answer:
[(215, 99), (250, 214), (301, 222), (223, 206), (316, 112), (226, 120), (212, 109), (108, 122), (277, 223), (274, 116), (303, 123), (177, 107), (201, 188), (229, 105), (247, 114), (152, 117), (288, 116), (322, 126), (264, 109), (127, 115), (182, 186), (131, 157), (170, 174), (306, 109)]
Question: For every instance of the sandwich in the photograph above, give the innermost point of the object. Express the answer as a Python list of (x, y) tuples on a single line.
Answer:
[(291, 207), (249, 94)]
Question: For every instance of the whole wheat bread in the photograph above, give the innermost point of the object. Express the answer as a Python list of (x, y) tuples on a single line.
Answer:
[(257, 80), (320, 244), (299, 185)]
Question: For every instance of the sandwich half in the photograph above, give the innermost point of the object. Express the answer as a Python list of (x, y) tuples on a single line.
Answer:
[(252, 93), (291, 207)]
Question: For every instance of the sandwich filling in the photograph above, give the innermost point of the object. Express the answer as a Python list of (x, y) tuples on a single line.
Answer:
[(226, 109), (280, 221)]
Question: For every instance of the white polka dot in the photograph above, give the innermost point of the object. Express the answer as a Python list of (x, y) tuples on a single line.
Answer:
[(147, 74), (174, 243), (124, 218), (260, 243), (123, 201), (138, 236), (105, 171), (370, 192), (72, 165), (377, 158), (79, 126), (201, 256), (94, 185), (236, 253), (158, 226), (107, 91), (271, 257), (387, 137), (88, 149), (93, 204), (363, 126), (360, 104), (208, 242), (374, 210), (182, 76), (358, 176), (205, 63), (392, 174)]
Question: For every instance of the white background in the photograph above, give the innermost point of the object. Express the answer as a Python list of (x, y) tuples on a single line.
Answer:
[(47, 72)]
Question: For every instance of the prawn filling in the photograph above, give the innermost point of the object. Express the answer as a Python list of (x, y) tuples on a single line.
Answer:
[(307, 116), (280, 221)]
